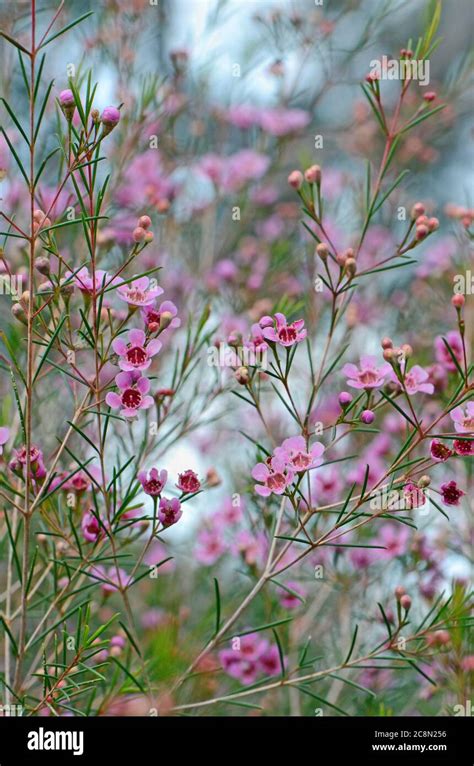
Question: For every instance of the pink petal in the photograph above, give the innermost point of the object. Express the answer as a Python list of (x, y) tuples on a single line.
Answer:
[(153, 347), (119, 346), (143, 385), (113, 400), (260, 472), (137, 337)]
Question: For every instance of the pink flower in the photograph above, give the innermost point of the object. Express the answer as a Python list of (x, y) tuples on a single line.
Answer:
[(250, 657), (413, 496), (281, 122), (451, 493), (243, 115), (296, 455), (210, 546), (19, 461), (463, 421), (257, 340), (368, 375), (152, 316), (415, 380), (83, 280), (153, 483), (442, 354), (110, 117), (251, 547), (188, 482), (4, 437), (133, 394), (230, 514), (439, 451), (275, 476), (111, 579), (169, 511), (394, 538), (464, 447), (269, 662), (283, 333), (137, 353), (290, 600), (91, 527), (138, 293)]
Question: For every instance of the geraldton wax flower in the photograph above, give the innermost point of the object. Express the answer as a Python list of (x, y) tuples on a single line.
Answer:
[(153, 482), (368, 375), (188, 482), (137, 354), (133, 394), (169, 511), (138, 292), (451, 493), (279, 331), (274, 476)]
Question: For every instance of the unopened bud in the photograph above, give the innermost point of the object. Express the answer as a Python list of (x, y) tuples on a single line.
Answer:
[(458, 300), (323, 251), (417, 210), (139, 234), (387, 343), (405, 602), (350, 266), (43, 266), (19, 313), (165, 319), (295, 179), (424, 481), (242, 375), (313, 174)]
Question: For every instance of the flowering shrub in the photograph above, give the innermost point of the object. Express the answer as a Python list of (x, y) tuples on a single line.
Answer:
[(223, 484)]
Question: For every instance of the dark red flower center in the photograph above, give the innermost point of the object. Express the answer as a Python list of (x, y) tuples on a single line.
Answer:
[(132, 398), (136, 356), (287, 334)]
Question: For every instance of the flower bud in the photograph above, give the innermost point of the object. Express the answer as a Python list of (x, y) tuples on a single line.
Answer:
[(43, 266), (242, 375), (388, 354), (405, 602), (144, 221), (417, 210), (295, 179), (313, 174), (387, 343), (350, 266), (433, 224), (424, 481), (149, 237), (323, 251), (407, 350), (421, 232), (67, 103), (166, 318), (367, 417), (110, 118), (430, 96), (345, 398), (138, 234), (212, 478), (19, 313), (399, 592), (458, 301)]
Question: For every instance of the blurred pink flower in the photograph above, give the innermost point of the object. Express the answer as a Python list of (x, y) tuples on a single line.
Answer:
[(463, 419), (368, 375)]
